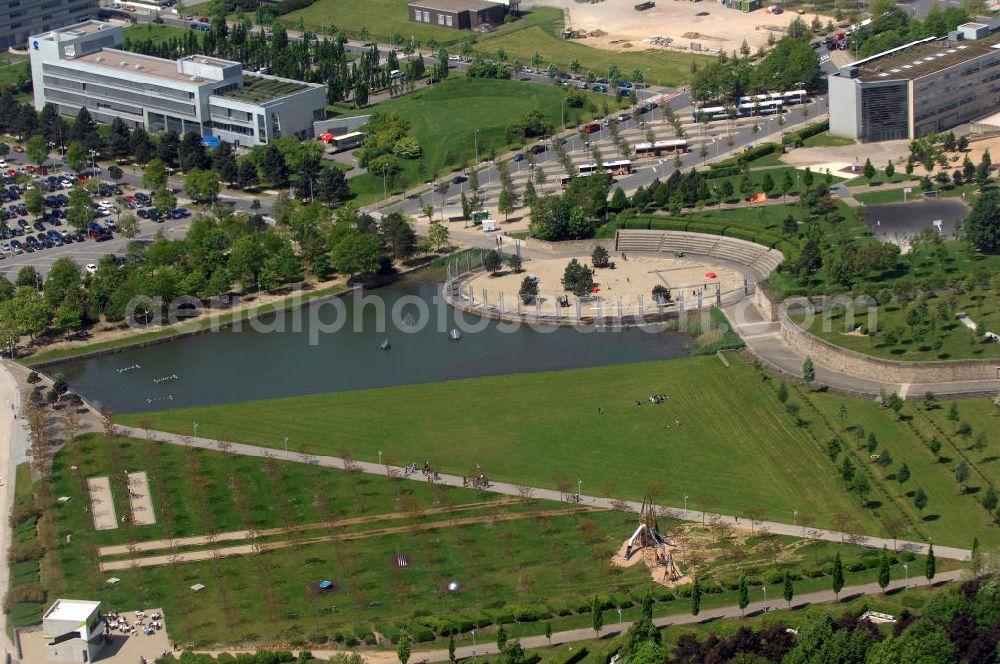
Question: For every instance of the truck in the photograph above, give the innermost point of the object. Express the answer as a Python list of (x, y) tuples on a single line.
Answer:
[(591, 127)]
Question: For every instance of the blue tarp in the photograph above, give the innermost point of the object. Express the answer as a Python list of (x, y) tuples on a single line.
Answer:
[(324, 585), (210, 141)]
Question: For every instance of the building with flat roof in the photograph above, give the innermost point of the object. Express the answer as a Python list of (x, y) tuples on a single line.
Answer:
[(74, 631), (83, 66), (19, 19), (927, 86), (459, 14)]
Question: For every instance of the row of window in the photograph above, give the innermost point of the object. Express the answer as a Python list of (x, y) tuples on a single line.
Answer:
[(145, 101), (172, 93), (421, 16)]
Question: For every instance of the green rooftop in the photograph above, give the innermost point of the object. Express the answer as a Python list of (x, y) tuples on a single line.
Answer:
[(256, 89)]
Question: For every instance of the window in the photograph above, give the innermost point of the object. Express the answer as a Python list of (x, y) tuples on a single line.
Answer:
[(448, 21), (440, 19)]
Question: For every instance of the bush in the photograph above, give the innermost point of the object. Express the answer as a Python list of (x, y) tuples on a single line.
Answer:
[(661, 594), (855, 566), (33, 377), (907, 556), (797, 137), (774, 577), (421, 634), (21, 551), (683, 590), (574, 656)]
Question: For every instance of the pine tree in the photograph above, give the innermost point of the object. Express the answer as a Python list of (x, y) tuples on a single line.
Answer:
[(597, 614), (743, 596), (930, 566), (451, 647), (883, 570), (501, 638), (696, 597), (808, 370), (838, 576), (789, 590)]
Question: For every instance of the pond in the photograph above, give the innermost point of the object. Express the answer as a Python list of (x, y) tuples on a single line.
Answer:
[(296, 354)]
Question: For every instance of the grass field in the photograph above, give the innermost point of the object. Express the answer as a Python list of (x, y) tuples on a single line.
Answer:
[(445, 119), (13, 68), (953, 341), (380, 18), (732, 458), (887, 196), (542, 35), (827, 140), (153, 32), (540, 568), (880, 178)]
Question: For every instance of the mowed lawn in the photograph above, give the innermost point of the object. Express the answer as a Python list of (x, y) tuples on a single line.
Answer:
[(381, 18), (444, 118), (543, 36), (719, 438)]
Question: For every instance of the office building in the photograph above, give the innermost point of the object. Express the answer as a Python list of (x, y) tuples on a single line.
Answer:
[(923, 87), (82, 65), (458, 14), (19, 19)]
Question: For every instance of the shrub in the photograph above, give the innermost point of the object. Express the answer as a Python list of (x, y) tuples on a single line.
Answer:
[(33, 377), (574, 656), (21, 551), (855, 565)]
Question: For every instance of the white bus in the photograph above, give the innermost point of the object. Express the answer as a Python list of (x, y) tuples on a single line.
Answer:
[(660, 148)]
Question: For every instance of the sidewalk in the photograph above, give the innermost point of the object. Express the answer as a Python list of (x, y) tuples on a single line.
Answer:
[(508, 489)]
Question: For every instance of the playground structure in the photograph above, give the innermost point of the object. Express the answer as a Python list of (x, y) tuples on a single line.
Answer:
[(657, 550)]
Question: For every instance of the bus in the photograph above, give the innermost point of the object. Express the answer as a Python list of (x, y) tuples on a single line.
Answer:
[(619, 167), (711, 112), (660, 147), (796, 97), (770, 107), (591, 127)]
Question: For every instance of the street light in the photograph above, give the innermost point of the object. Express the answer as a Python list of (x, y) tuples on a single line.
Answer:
[(195, 429), (764, 588), (380, 457), (906, 578), (286, 443), (685, 502), (795, 513), (473, 643), (619, 621), (578, 484)]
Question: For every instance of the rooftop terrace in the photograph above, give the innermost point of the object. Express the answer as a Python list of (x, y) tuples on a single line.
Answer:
[(257, 89)]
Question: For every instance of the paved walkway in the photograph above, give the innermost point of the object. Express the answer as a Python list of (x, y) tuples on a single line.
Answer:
[(546, 494), (764, 340), (13, 450), (614, 627)]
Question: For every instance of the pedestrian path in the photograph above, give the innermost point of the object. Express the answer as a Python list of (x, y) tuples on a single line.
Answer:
[(508, 489)]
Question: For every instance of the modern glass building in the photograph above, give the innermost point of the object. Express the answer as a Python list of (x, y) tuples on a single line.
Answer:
[(19, 19), (82, 66), (927, 86)]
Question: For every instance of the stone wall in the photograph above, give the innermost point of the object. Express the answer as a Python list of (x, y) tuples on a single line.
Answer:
[(850, 362)]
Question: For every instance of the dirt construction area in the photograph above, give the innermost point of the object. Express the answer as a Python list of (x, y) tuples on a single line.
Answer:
[(616, 25), (629, 280)]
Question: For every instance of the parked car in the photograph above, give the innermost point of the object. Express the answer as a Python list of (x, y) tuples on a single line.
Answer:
[(91, 268), (600, 88), (538, 149)]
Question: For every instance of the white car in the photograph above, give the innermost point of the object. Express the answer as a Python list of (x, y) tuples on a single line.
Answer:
[(5, 246), (454, 58), (91, 268), (3, 163)]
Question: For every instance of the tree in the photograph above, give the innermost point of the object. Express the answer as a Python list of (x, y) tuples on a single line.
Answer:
[(600, 257), (577, 278), (398, 235), (529, 290), (451, 648), (505, 203), (119, 140), (356, 253), (115, 173), (37, 149), (34, 200), (76, 156), (246, 174), (808, 371), (930, 564), (492, 261), (903, 474), (868, 170), (331, 186), (403, 649), (164, 199), (838, 575), (883, 570), (890, 170), (155, 175), (128, 225), (438, 235), (597, 614), (961, 474), (81, 209), (696, 597), (982, 226), (743, 594), (548, 632), (501, 638), (274, 168), (920, 500), (788, 592)]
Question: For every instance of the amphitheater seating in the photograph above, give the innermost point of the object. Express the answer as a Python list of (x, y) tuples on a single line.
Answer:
[(742, 252)]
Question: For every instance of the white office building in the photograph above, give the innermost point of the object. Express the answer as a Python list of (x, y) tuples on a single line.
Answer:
[(19, 19), (83, 65), (74, 631)]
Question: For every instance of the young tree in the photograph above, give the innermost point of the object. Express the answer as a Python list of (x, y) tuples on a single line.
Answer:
[(451, 648), (903, 474), (600, 257), (920, 500), (403, 649), (808, 371), (743, 593), (37, 149), (696, 597), (501, 638), (961, 474), (883, 570), (930, 565), (838, 575), (492, 261), (788, 592), (505, 203), (868, 170), (597, 615), (529, 290)]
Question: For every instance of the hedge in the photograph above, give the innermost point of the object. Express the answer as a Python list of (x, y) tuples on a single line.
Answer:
[(574, 656), (797, 137)]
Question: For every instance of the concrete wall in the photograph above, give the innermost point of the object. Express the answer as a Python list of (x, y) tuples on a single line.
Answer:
[(864, 366)]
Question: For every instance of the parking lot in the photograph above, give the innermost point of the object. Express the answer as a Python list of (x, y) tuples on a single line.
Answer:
[(36, 232)]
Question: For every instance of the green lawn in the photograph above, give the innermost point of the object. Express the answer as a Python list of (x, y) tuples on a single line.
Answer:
[(545, 567), (880, 178), (543, 36), (953, 341), (731, 457), (982, 417), (445, 118), (13, 68), (153, 32), (826, 140), (380, 20), (886, 196)]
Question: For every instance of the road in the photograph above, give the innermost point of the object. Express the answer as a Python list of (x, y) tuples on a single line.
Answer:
[(13, 450), (548, 494)]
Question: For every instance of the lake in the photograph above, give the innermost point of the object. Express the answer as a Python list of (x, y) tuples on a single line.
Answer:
[(301, 353)]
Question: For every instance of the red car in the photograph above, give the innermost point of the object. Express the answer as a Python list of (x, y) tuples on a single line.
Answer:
[(203, 19)]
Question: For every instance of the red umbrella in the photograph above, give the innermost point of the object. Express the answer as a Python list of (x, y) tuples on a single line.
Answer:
[(710, 275)]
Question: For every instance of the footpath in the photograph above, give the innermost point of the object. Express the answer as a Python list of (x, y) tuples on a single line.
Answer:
[(507, 489), (13, 451)]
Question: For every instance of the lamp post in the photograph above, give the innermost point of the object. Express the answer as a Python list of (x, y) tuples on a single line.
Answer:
[(473, 644), (764, 588), (286, 443), (195, 427), (795, 513), (685, 502), (380, 457), (385, 188), (906, 577), (579, 483), (619, 621)]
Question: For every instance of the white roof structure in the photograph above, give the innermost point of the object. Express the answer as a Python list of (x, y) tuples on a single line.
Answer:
[(72, 610)]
